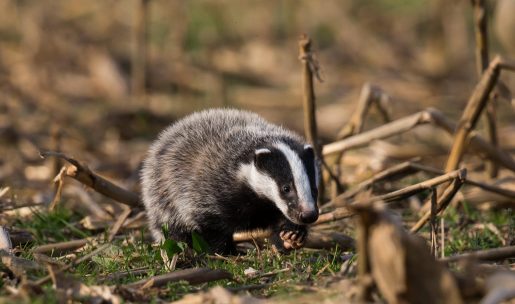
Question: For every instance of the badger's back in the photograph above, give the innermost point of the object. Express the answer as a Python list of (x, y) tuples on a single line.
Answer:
[(193, 165)]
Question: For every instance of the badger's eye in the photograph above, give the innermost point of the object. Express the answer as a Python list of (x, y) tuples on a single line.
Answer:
[(286, 189)]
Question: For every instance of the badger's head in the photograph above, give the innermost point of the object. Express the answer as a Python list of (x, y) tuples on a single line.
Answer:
[(287, 176)]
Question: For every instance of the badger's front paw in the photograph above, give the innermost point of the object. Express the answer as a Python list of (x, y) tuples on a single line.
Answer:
[(293, 239)]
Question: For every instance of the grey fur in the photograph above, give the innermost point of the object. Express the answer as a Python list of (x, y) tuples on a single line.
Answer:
[(194, 164)]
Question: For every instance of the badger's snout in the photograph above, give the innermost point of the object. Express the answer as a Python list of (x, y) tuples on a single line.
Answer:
[(308, 217)]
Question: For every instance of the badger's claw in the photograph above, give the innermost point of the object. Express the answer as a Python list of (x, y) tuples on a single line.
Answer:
[(293, 239)]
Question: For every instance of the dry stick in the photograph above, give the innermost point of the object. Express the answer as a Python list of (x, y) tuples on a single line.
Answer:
[(408, 168), (477, 143), (344, 212), (357, 121), (336, 214), (193, 276), (364, 269), (395, 172), (335, 185), (123, 274), (475, 105), (491, 188), (310, 69), (443, 202), (75, 262), (315, 240), (425, 185), (480, 27), (442, 237), (495, 254), (58, 248), (381, 104), (319, 240), (58, 187), (139, 53), (118, 224), (55, 144), (405, 124), (434, 203), (387, 130), (84, 175)]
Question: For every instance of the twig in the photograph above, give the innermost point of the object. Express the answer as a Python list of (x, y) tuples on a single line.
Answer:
[(84, 175), (3, 191), (75, 262), (477, 143), (470, 116), (364, 270), (58, 186), (487, 187), (344, 212), (369, 95), (425, 185), (443, 202), (123, 274), (356, 123), (387, 130), (118, 224), (5, 240), (315, 240), (193, 276), (392, 173), (336, 214), (322, 240), (495, 254), (442, 237), (55, 144), (58, 248), (273, 273), (401, 125)]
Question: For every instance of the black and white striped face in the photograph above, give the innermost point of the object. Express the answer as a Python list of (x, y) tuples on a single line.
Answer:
[(288, 177)]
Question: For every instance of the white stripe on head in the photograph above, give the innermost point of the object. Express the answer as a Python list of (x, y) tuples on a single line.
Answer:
[(263, 185), (262, 151), (300, 176)]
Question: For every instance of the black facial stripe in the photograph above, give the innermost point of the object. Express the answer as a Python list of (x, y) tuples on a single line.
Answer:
[(276, 166), (308, 160)]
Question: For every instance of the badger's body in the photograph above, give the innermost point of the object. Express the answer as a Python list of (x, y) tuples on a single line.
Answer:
[(220, 171)]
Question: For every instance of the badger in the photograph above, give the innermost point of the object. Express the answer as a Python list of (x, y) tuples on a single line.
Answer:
[(222, 171)]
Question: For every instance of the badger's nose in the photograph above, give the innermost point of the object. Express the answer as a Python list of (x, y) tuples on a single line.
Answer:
[(308, 217)]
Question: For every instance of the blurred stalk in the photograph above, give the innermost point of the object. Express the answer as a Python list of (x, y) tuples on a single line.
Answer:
[(309, 70), (139, 53), (482, 60)]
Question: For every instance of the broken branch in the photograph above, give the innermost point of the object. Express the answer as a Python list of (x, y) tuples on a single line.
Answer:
[(495, 254), (193, 276), (443, 202), (89, 178)]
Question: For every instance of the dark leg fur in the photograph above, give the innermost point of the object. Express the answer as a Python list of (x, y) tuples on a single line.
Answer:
[(220, 242)]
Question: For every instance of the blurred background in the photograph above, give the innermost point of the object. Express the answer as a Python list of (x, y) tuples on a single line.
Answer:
[(98, 79)]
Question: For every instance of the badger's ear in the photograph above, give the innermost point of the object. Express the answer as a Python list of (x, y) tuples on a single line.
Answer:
[(261, 154), (308, 150)]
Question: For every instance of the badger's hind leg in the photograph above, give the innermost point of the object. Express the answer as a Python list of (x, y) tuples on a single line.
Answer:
[(288, 236), (220, 242)]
